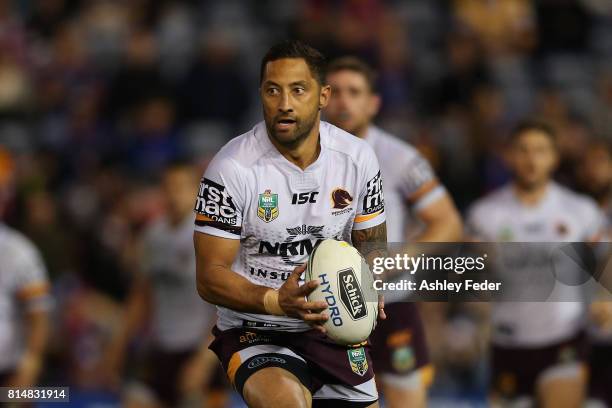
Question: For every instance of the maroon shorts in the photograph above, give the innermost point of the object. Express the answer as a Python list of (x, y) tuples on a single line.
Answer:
[(163, 370), (600, 362), (515, 371), (337, 376), (399, 345)]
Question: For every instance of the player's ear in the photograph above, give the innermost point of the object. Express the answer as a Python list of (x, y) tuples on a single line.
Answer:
[(374, 105), (324, 96), (556, 159)]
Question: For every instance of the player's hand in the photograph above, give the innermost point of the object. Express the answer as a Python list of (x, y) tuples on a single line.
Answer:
[(292, 299), (601, 314), (381, 307)]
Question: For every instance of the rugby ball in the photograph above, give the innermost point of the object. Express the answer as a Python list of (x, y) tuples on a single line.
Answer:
[(346, 284)]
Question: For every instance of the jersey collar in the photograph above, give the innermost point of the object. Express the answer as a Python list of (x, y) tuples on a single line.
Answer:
[(549, 196)]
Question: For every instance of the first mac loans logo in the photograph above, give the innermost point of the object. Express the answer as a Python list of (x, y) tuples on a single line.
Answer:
[(374, 200), (215, 202), (267, 209)]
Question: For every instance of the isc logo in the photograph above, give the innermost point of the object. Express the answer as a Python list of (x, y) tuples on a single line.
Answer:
[(303, 198)]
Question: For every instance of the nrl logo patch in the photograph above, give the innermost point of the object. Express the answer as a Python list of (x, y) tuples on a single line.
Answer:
[(267, 209), (403, 359), (358, 361)]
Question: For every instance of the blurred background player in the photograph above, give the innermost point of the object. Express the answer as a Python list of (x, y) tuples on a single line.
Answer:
[(178, 366), (594, 177), (25, 298), (538, 354), (411, 190)]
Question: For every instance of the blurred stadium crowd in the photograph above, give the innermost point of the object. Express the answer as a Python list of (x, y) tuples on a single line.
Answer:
[(97, 97)]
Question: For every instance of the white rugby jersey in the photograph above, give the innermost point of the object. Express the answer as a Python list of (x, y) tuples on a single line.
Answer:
[(404, 171), (279, 211), (561, 216), (23, 287), (169, 265)]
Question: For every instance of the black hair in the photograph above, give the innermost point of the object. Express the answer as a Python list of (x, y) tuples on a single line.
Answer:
[(178, 163), (354, 64), (296, 49), (533, 125)]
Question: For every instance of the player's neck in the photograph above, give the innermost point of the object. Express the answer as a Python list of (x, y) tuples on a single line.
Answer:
[(304, 154), (530, 196), (362, 132)]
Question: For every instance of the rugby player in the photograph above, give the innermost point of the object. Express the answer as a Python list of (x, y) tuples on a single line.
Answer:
[(178, 364), (265, 200), (595, 178), (25, 298), (411, 189), (538, 353)]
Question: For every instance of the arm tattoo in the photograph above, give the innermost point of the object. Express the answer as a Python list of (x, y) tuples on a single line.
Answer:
[(371, 242)]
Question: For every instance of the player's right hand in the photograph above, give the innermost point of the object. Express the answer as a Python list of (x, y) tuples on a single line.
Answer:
[(292, 299)]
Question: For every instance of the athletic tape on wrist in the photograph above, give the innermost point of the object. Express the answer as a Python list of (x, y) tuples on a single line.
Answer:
[(271, 303)]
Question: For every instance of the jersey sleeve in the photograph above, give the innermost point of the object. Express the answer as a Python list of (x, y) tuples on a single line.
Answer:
[(595, 223), (418, 183), (220, 202), (371, 202), (31, 285)]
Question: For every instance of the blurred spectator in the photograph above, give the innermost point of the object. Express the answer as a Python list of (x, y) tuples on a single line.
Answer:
[(215, 89), (466, 70), (504, 26), (15, 86), (563, 25), (152, 138), (602, 115), (138, 77), (47, 15)]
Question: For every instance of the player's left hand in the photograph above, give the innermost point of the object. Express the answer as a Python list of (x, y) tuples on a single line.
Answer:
[(381, 307), (293, 300), (601, 314)]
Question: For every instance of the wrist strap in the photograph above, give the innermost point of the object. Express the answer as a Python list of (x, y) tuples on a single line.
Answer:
[(271, 304)]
